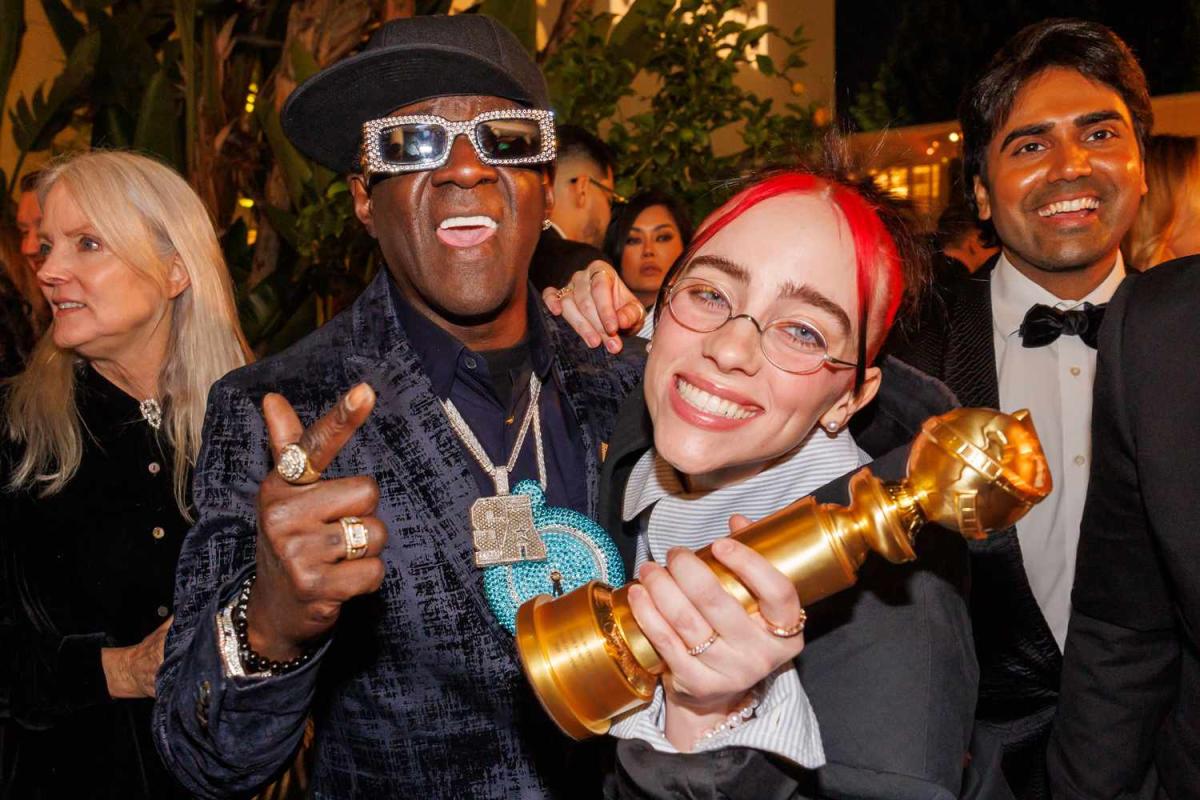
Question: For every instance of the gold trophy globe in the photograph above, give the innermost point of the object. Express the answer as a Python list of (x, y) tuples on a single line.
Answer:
[(971, 470)]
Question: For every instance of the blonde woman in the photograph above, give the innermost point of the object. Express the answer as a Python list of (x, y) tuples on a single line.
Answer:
[(101, 432), (1168, 221)]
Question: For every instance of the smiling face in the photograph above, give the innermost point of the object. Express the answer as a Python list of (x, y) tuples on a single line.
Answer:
[(1064, 175), (653, 244), (721, 410), (104, 309), (458, 239)]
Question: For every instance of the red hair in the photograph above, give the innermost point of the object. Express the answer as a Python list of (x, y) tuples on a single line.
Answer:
[(877, 257)]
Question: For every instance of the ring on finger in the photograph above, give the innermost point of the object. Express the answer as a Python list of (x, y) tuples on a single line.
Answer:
[(789, 631), (703, 646), (563, 292), (355, 534), (294, 466), (593, 273)]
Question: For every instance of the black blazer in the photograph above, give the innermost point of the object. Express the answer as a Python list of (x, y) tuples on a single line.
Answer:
[(1019, 660), (888, 664), (556, 259), (1129, 716)]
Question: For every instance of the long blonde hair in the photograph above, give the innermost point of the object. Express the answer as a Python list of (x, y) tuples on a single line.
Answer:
[(147, 215), (1173, 178)]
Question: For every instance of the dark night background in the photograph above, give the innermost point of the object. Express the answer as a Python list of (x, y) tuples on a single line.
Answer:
[(904, 62)]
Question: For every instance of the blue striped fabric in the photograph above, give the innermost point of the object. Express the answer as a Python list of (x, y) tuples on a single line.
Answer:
[(784, 723)]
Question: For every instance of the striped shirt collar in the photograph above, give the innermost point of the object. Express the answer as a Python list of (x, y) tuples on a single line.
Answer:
[(818, 460)]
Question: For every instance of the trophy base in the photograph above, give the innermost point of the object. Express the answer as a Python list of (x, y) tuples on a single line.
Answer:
[(581, 668)]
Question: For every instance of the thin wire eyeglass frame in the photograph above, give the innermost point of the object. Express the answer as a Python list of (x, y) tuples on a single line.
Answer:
[(821, 361), (373, 162)]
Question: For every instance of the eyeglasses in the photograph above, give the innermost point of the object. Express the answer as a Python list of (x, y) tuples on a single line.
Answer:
[(792, 345), (608, 190), (394, 145)]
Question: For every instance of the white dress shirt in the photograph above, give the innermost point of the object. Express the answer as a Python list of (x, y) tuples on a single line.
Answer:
[(784, 722), (1055, 383)]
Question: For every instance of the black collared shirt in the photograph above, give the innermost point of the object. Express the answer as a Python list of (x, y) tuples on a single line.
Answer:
[(464, 376)]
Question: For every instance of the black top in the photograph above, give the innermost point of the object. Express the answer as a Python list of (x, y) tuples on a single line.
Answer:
[(89, 567), (494, 405), (556, 259), (16, 334)]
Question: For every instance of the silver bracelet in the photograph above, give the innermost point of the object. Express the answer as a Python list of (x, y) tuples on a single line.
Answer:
[(735, 719)]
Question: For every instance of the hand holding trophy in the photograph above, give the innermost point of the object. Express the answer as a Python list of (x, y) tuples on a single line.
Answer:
[(970, 470)]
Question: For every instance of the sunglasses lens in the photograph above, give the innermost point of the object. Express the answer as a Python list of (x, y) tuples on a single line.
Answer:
[(413, 143), (509, 139)]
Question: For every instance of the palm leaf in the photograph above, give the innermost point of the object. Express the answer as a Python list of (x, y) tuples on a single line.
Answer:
[(12, 29), (519, 16), (36, 121), (66, 28), (157, 122)]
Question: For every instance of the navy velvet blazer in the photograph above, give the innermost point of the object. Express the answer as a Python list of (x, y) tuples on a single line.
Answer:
[(419, 692)]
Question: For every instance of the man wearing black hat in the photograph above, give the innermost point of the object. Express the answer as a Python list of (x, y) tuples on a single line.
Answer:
[(452, 407)]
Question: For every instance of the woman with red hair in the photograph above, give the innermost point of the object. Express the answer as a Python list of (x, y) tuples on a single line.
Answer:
[(766, 334)]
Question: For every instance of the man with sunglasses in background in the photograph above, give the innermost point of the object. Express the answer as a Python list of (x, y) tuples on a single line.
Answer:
[(440, 389), (583, 198)]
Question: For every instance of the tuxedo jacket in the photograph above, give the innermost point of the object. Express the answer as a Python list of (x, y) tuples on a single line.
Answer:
[(419, 691), (1129, 716), (888, 664), (556, 259), (1020, 661)]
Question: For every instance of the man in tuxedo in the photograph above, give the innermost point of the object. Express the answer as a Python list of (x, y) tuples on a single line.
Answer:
[(583, 197), (1053, 134), (1128, 722)]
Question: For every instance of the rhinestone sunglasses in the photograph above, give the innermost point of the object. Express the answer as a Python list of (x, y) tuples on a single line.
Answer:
[(412, 143)]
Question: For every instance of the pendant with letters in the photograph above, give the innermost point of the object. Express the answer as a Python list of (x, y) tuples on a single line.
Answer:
[(503, 532)]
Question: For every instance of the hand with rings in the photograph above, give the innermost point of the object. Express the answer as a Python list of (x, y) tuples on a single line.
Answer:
[(319, 542), (598, 305), (715, 652)]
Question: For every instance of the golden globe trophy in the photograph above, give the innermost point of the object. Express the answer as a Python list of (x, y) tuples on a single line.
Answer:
[(971, 470)]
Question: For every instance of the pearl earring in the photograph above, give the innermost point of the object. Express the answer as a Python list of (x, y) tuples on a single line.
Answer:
[(831, 428)]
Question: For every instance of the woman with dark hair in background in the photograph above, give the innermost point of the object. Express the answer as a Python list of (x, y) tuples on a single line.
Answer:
[(645, 238), (101, 431)]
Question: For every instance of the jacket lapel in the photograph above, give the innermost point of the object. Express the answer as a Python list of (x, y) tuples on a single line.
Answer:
[(426, 487), (970, 366)]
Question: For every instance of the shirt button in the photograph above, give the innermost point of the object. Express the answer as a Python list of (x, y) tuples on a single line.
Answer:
[(163, 611), (158, 533), (154, 467), (1075, 371), (470, 362), (1079, 460)]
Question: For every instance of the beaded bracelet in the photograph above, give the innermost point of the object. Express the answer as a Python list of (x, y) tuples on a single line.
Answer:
[(252, 663), (735, 719)]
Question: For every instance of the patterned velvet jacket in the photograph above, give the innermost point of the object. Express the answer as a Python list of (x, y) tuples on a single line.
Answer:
[(419, 693)]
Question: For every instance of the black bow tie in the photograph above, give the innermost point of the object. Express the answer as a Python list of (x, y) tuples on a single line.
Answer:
[(1043, 324)]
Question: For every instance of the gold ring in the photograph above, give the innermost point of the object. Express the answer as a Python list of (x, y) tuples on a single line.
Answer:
[(786, 633), (294, 466), (355, 533), (707, 643), (563, 292)]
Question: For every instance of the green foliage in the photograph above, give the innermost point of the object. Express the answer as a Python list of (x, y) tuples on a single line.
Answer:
[(171, 77), (691, 54)]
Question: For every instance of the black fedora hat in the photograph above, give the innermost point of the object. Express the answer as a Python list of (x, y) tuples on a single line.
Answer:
[(407, 60)]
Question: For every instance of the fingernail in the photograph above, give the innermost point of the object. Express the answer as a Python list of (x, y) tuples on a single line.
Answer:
[(357, 396), (722, 547), (593, 341), (613, 345), (636, 590)]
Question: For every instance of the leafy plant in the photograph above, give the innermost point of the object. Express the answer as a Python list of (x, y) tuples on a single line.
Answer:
[(200, 83), (691, 53)]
